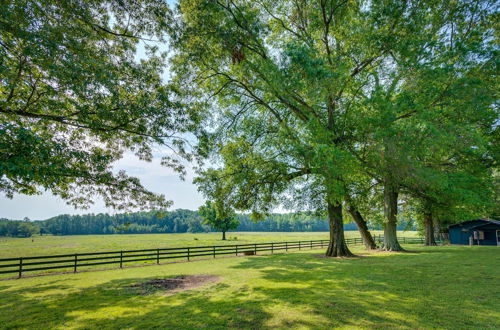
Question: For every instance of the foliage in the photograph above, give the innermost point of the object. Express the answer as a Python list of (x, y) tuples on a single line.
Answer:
[(18, 228), (308, 99), (218, 216), (75, 95)]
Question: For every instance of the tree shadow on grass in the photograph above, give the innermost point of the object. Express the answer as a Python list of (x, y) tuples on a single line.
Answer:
[(418, 290), (282, 291), (115, 305)]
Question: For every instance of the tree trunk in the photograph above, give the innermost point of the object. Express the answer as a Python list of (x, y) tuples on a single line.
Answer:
[(429, 229), (390, 225), (362, 227), (223, 235), (337, 246)]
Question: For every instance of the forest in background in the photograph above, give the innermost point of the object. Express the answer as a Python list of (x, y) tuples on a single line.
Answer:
[(177, 221)]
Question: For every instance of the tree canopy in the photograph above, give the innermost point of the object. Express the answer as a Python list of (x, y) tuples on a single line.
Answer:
[(80, 84), (219, 217), (308, 99)]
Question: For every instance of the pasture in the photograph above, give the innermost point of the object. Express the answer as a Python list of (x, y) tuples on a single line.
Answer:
[(431, 287), (48, 245)]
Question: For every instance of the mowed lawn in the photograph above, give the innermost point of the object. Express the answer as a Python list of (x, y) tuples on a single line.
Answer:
[(49, 245), (450, 287)]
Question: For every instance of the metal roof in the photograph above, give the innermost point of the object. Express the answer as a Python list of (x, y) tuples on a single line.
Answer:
[(486, 221)]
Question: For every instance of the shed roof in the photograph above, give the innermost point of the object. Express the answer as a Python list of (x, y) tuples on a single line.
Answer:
[(482, 221)]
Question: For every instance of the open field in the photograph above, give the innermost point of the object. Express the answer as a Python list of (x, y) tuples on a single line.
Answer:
[(440, 287), (48, 245)]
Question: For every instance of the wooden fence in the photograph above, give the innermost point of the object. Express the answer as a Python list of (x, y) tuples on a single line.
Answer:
[(73, 262)]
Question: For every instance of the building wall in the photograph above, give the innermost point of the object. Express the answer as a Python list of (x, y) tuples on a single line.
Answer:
[(458, 236), (490, 237)]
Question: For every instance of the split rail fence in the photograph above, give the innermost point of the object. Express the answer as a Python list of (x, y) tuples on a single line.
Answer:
[(74, 262)]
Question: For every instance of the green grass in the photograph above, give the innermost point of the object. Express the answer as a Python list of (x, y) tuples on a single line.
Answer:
[(446, 287), (48, 245)]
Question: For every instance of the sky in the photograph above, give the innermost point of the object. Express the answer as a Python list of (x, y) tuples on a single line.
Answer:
[(153, 176)]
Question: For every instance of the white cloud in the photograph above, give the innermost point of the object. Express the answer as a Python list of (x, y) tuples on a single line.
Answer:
[(153, 176)]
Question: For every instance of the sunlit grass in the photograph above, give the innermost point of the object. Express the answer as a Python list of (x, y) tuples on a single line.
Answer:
[(438, 287), (48, 245)]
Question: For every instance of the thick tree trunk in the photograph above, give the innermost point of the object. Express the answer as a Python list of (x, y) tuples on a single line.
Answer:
[(429, 229), (223, 235), (390, 225), (337, 246), (363, 228)]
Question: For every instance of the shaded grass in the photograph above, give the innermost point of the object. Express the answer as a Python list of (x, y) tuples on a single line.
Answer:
[(438, 287), (49, 245)]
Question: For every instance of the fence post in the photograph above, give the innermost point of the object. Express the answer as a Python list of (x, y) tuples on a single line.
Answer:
[(157, 256), (286, 246), (76, 261), (121, 259), (272, 248), (236, 249), (20, 267), (188, 254), (214, 250), (255, 248), (300, 245), (311, 244)]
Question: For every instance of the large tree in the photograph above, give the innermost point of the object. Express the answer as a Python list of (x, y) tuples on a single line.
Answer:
[(218, 216), (293, 68), (80, 84), (431, 102)]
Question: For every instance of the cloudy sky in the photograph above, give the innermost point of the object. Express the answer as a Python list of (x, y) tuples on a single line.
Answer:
[(155, 177)]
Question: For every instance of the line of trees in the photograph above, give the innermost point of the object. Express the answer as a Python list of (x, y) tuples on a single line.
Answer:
[(369, 106), (23, 228), (178, 221)]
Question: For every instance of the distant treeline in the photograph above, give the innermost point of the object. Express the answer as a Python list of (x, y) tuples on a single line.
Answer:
[(178, 221), (16, 228)]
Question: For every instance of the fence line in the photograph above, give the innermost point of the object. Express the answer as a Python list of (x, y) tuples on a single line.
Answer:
[(75, 261)]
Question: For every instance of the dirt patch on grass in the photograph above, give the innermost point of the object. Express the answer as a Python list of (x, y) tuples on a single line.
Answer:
[(172, 285)]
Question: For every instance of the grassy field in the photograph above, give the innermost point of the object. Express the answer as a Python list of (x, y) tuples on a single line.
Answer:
[(48, 245), (439, 287)]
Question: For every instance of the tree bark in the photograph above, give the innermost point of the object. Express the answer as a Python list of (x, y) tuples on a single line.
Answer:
[(362, 227), (390, 225), (223, 235), (337, 246), (429, 229)]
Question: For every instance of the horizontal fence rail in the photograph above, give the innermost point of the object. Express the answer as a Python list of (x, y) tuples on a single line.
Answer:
[(75, 261)]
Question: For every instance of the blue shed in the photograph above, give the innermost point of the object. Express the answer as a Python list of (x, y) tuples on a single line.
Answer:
[(477, 232)]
